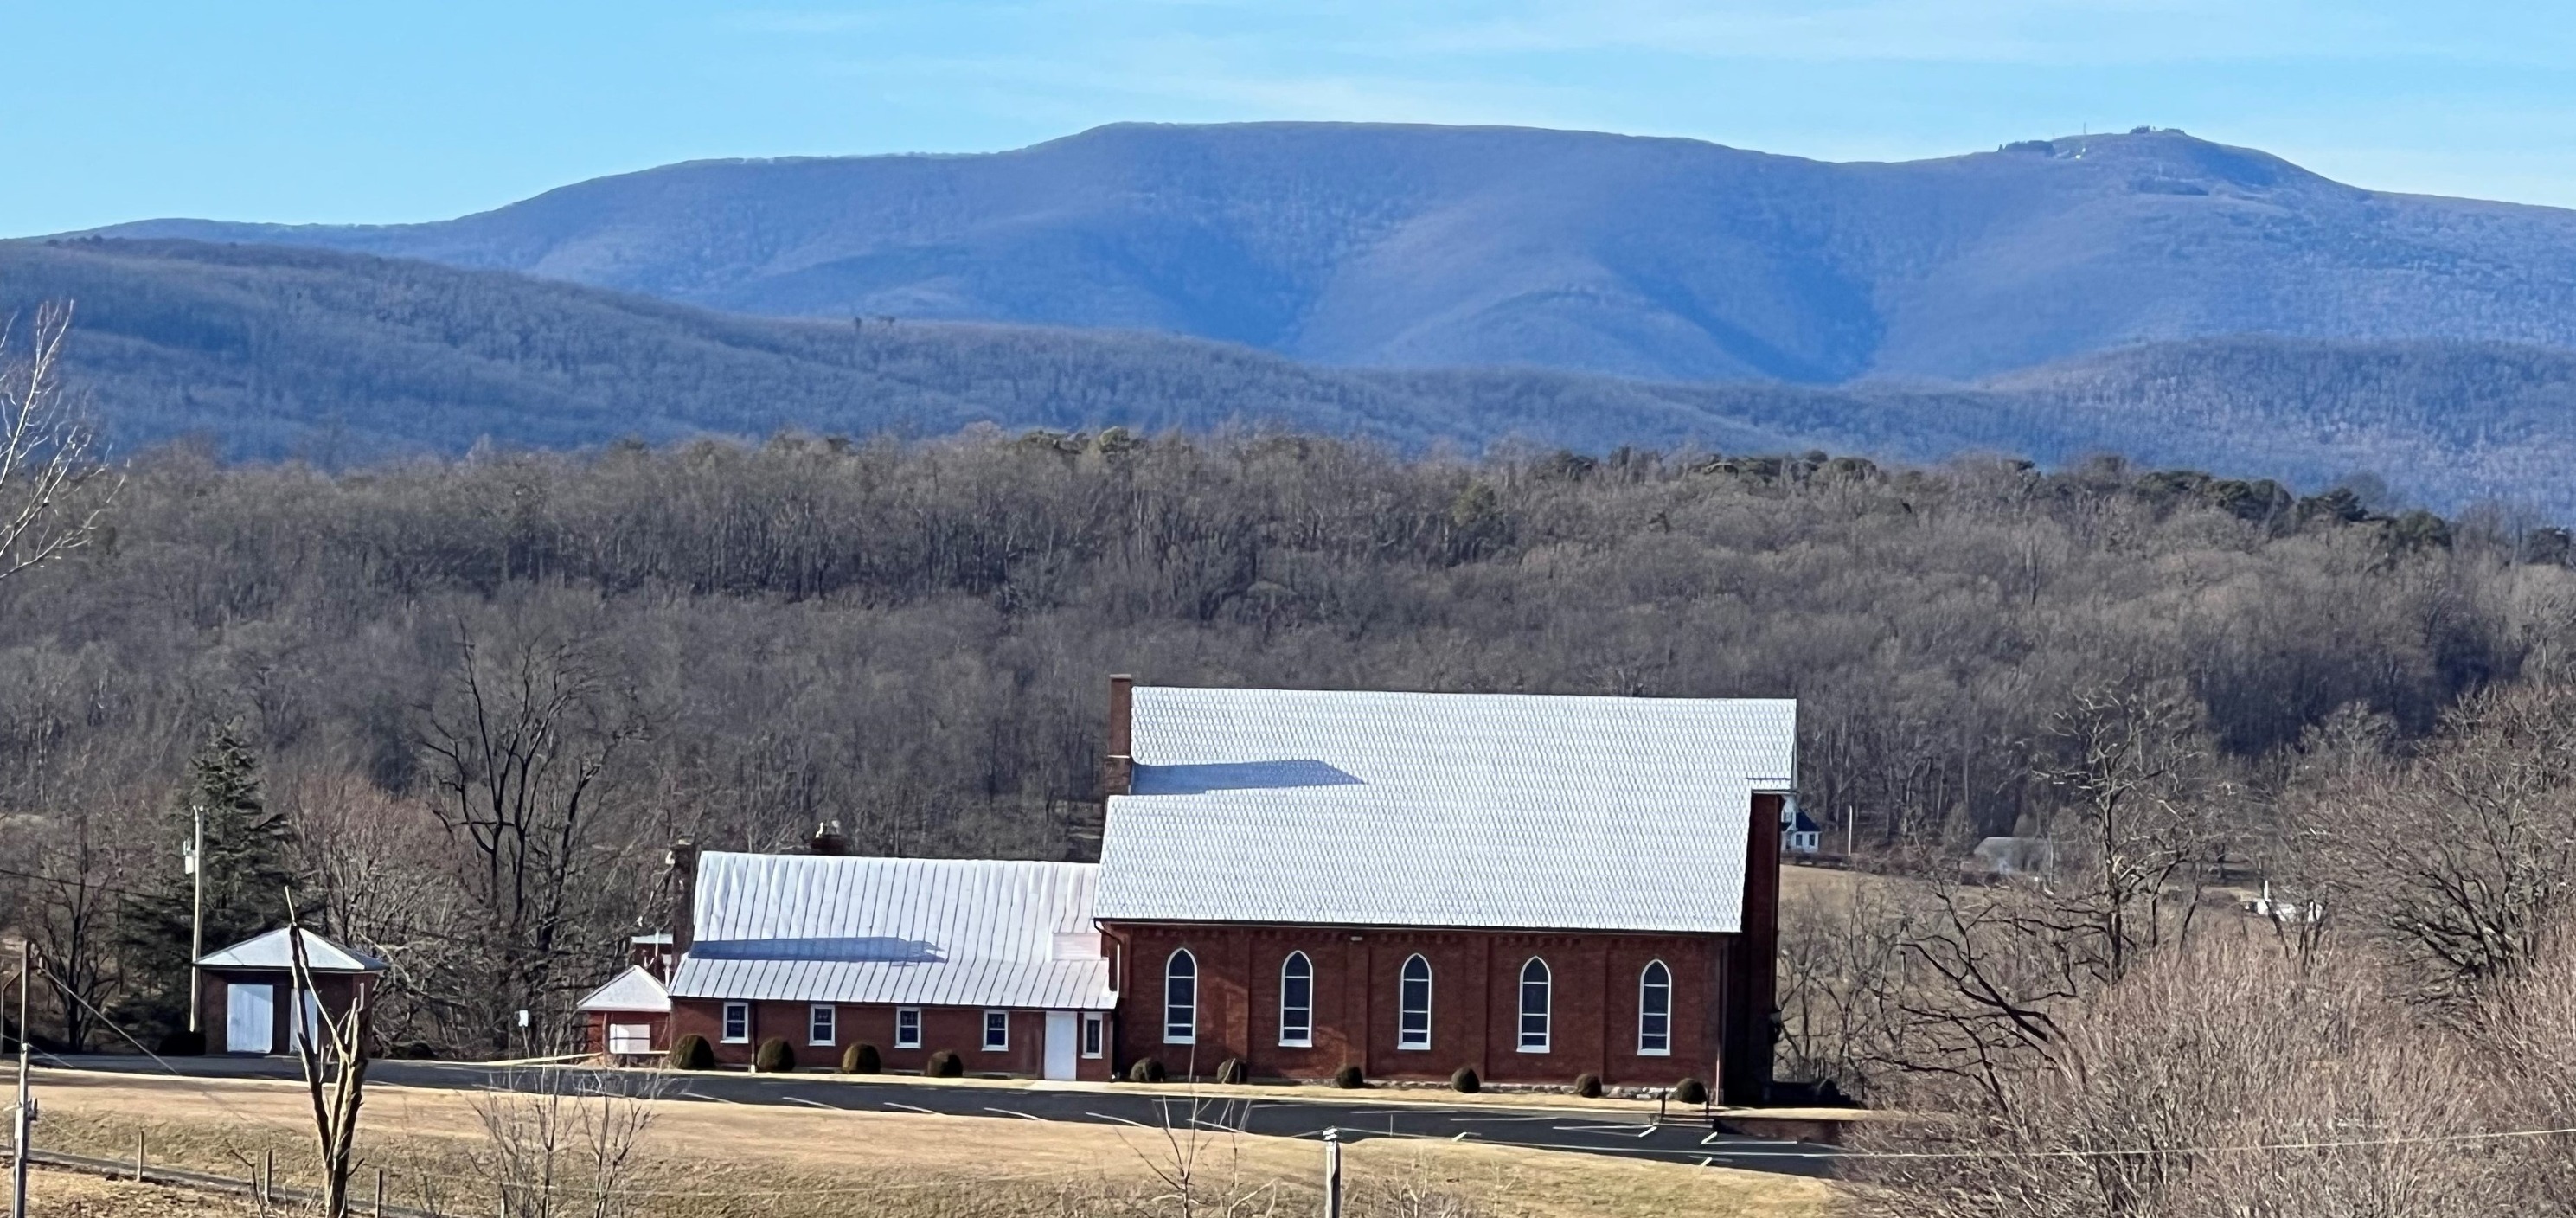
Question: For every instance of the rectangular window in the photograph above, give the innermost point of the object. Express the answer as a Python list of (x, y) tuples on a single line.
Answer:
[(737, 1023), (997, 1031), (907, 1027), (821, 1021), (1094, 1032), (630, 1038)]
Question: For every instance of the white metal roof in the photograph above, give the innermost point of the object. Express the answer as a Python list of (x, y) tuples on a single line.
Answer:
[(271, 951), (929, 932), (1406, 809), (636, 989)]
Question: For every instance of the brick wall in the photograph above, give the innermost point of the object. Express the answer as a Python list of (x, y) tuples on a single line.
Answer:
[(1474, 1006), (957, 1029)]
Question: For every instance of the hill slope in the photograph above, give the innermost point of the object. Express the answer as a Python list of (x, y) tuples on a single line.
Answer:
[(1431, 246), (272, 352)]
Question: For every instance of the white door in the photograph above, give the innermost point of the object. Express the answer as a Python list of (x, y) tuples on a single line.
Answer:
[(308, 1023), (1064, 1028), (250, 1018), (630, 1038)]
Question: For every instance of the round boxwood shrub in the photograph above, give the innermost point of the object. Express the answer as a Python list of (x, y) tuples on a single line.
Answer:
[(1588, 1085), (1465, 1081), (1349, 1078), (1147, 1070), (1690, 1091), (1232, 1071), (774, 1057), (692, 1052), (945, 1064), (861, 1058)]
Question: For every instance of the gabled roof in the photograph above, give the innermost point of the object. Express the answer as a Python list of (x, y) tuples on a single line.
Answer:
[(1468, 810), (636, 989), (272, 951), (929, 932)]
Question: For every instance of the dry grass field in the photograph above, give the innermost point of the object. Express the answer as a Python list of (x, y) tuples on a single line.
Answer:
[(67, 1194), (701, 1160)]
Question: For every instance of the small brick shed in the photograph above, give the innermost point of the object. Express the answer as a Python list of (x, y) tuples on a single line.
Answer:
[(243, 989)]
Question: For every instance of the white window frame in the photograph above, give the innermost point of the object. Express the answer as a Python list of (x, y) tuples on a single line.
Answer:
[(1188, 1025), (1095, 1034), (1657, 1042), (825, 1018), (725, 1032), (1546, 1014), (1406, 1039), (900, 1015), (992, 1017), (1300, 1035)]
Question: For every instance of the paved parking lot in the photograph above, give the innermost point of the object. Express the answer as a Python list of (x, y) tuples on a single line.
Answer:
[(1274, 1112)]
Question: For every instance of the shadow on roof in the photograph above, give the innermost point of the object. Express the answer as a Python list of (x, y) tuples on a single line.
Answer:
[(1238, 776), (883, 948)]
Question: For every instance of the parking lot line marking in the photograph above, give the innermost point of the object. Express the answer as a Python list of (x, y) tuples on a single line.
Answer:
[(1007, 1112), (798, 1099), (911, 1108), (1121, 1120)]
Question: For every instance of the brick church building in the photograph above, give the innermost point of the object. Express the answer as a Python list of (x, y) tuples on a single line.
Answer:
[(1535, 886)]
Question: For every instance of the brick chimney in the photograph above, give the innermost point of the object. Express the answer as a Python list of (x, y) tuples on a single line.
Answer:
[(829, 840), (683, 861), (1118, 769)]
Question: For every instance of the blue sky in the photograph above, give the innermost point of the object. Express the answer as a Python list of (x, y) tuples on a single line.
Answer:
[(113, 110)]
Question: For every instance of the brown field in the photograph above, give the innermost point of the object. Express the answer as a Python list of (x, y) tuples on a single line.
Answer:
[(67, 1194), (713, 1160)]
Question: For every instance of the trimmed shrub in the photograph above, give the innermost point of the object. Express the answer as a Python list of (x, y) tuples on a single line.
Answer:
[(1147, 1070), (183, 1043), (861, 1058), (1588, 1085), (692, 1052), (1690, 1091), (1465, 1081), (1232, 1071), (945, 1064), (1349, 1078), (774, 1057)]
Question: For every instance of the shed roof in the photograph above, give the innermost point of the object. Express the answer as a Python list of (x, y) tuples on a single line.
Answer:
[(636, 989), (271, 951), (929, 932), (1469, 810)]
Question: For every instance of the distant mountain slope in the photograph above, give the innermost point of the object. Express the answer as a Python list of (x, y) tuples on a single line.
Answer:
[(273, 351), (1441, 246)]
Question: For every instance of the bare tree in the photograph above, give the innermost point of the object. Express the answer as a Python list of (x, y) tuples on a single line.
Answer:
[(562, 1143), (520, 742), (332, 1047), (44, 451)]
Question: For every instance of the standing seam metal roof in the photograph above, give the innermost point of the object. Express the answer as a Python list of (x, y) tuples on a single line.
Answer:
[(926, 932), (1467, 810)]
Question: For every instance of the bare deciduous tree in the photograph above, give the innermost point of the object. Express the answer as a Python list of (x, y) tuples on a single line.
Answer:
[(332, 1048), (44, 450)]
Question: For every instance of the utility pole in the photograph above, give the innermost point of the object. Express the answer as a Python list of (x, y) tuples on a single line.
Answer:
[(196, 918), (23, 1117)]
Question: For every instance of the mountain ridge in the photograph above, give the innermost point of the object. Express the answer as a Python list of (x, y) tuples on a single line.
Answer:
[(1652, 257), (275, 351)]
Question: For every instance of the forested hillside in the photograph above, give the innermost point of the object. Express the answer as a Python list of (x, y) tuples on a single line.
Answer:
[(1666, 259), (738, 642), (266, 352)]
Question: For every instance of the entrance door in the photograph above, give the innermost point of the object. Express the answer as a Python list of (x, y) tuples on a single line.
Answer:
[(1063, 1030), (250, 1018)]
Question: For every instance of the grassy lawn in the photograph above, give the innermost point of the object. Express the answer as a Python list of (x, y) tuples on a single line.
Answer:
[(704, 1160)]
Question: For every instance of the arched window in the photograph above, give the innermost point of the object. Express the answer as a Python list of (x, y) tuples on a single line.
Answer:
[(1534, 1006), (1413, 1024), (1297, 1001), (1181, 999), (1655, 1010)]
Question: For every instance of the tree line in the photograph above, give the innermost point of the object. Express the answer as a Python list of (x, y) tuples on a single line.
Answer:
[(463, 704)]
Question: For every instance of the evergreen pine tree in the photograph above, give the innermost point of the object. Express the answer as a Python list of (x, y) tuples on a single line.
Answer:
[(249, 864)]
